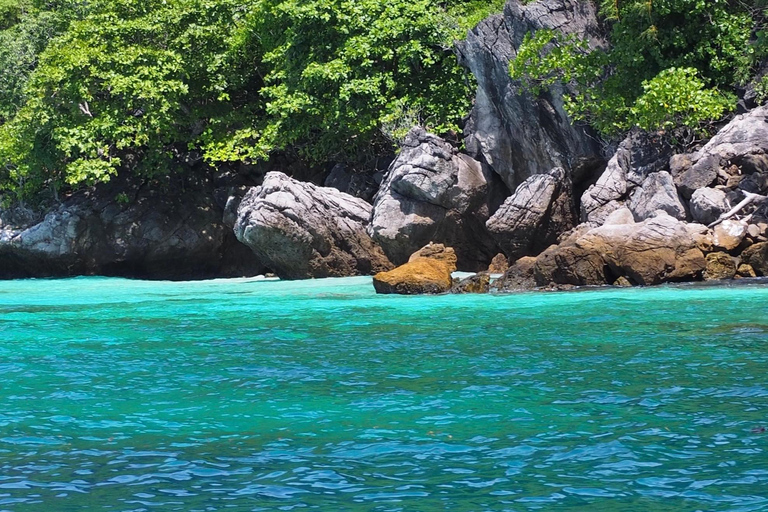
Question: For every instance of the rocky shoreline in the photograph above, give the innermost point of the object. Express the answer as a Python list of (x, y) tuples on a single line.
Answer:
[(530, 187)]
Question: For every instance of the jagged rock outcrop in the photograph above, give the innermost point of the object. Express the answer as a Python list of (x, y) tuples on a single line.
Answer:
[(743, 142), (154, 231), (708, 204), (518, 277), (639, 155), (434, 193), (300, 230), (654, 251), (478, 283), (656, 192), (517, 134), (531, 219), (428, 271)]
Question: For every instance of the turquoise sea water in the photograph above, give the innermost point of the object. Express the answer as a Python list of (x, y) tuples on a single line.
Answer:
[(319, 395)]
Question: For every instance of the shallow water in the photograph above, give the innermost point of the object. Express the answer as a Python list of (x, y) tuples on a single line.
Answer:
[(244, 395)]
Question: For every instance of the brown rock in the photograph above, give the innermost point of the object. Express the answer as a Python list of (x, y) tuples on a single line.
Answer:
[(478, 283), (729, 234), (756, 256), (499, 264), (720, 265), (654, 251), (745, 270), (518, 277), (622, 282), (422, 275), (437, 252)]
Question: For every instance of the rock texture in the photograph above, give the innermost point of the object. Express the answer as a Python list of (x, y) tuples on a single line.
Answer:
[(157, 231), (517, 134), (743, 143), (657, 192), (434, 193), (708, 204), (720, 265), (654, 251), (427, 271), (519, 277), (478, 283), (300, 230), (531, 219), (638, 156)]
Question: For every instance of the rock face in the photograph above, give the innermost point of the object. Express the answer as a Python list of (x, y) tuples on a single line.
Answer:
[(434, 193), (654, 251), (153, 233), (531, 219), (478, 283), (427, 271), (708, 204), (517, 134), (519, 277), (756, 256), (719, 266), (300, 230), (743, 142), (657, 192), (638, 156)]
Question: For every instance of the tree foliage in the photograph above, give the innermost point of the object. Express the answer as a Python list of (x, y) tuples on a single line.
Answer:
[(137, 84), (670, 63)]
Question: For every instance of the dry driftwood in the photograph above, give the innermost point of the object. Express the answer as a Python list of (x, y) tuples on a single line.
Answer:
[(748, 199)]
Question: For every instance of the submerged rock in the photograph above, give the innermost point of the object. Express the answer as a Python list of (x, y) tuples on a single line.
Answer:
[(434, 193), (519, 277), (478, 283), (300, 230)]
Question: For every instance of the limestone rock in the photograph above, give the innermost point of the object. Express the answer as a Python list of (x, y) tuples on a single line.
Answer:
[(621, 216), (516, 133), (300, 230), (478, 283), (639, 155), (437, 252), (150, 233), (531, 219), (756, 256), (499, 264), (742, 142), (657, 250), (434, 193), (729, 234), (745, 270), (720, 265), (708, 204), (518, 277), (657, 192), (420, 276)]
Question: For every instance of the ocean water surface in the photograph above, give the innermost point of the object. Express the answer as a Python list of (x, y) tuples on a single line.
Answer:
[(246, 395)]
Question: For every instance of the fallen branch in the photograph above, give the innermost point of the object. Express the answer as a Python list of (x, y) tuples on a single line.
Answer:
[(749, 199)]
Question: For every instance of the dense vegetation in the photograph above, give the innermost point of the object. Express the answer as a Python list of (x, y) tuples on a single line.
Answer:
[(94, 86), (90, 87), (671, 64)]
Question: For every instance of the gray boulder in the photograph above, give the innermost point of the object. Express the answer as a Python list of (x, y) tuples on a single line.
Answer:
[(517, 134), (300, 230), (657, 192), (531, 219), (639, 155), (433, 193), (742, 142), (708, 204)]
